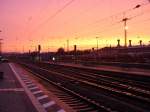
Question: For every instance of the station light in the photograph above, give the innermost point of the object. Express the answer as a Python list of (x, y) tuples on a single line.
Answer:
[(53, 59)]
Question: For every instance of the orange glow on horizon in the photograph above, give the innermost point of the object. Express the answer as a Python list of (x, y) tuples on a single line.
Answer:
[(26, 24)]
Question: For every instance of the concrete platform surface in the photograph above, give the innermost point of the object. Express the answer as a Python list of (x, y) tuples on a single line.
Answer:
[(13, 97), (20, 93)]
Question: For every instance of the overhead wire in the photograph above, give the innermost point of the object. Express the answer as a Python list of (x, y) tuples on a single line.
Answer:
[(120, 13), (123, 12), (71, 1), (53, 15)]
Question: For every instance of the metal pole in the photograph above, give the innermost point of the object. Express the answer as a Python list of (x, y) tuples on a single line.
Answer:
[(64, 47), (97, 42), (1, 46), (125, 31), (97, 49), (67, 45)]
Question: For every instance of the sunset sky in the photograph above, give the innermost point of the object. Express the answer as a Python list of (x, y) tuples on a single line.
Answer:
[(27, 23)]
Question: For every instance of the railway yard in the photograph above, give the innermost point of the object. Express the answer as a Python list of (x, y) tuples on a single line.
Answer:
[(91, 90), (75, 56)]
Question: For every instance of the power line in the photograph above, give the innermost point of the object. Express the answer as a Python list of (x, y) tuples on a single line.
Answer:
[(54, 15), (67, 4), (120, 13), (109, 27), (124, 12), (125, 19)]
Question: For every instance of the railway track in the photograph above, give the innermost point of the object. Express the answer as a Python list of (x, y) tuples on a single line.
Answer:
[(121, 83), (101, 91), (73, 99)]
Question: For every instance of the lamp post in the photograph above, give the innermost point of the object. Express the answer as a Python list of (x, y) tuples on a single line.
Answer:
[(67, 45), (0, 44), (125, 30), (75, 50), (97, 42), (97, 48), (125, 24)]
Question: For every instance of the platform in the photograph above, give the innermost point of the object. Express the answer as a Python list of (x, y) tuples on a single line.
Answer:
[(18, 93), (137, 71)]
